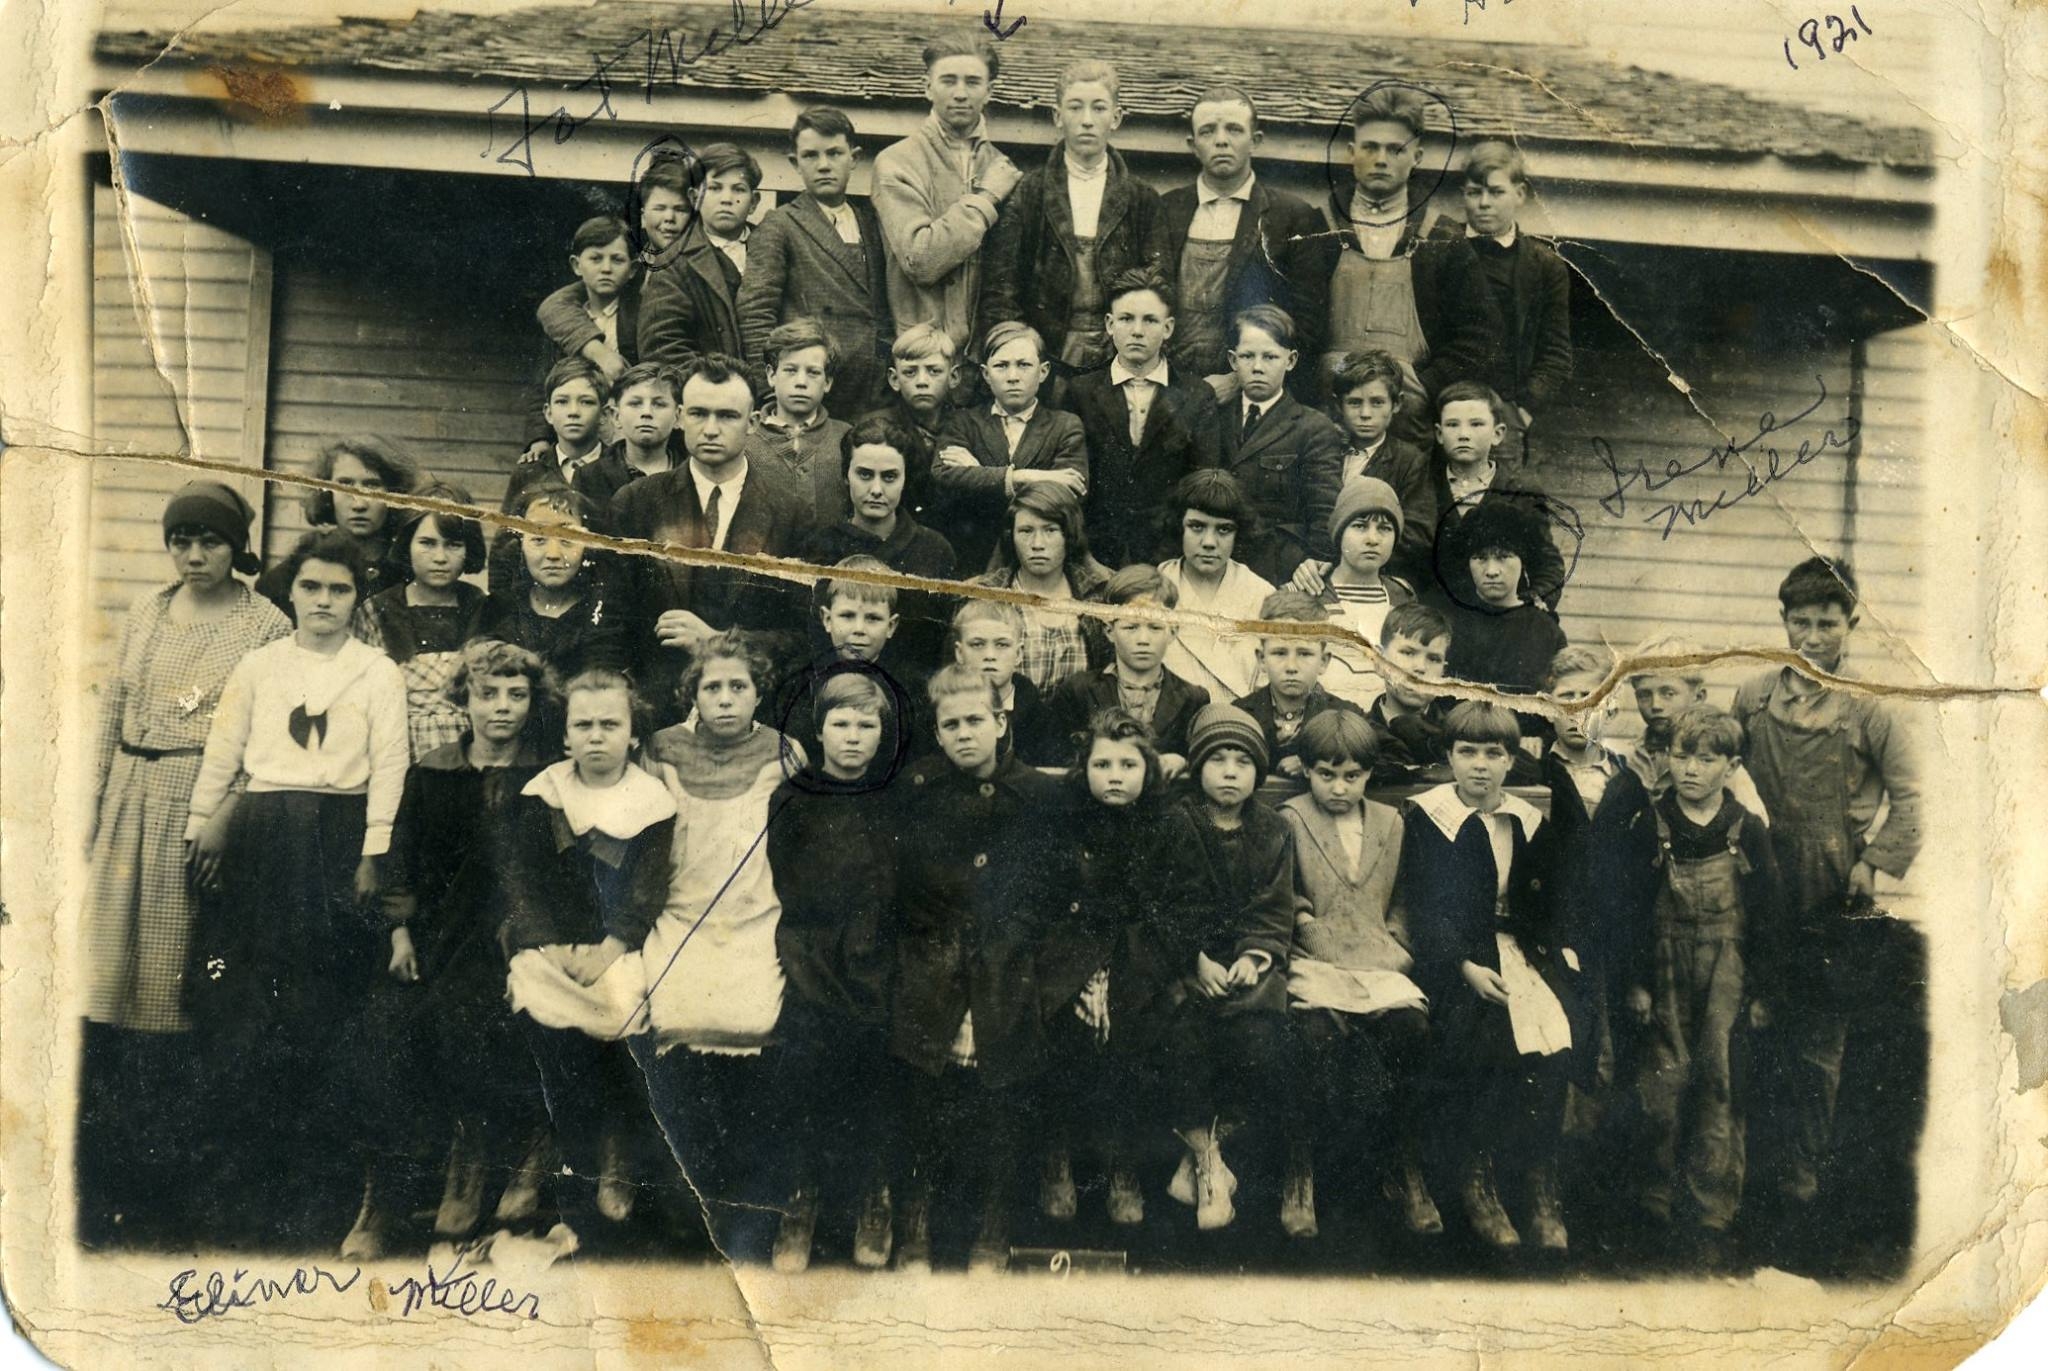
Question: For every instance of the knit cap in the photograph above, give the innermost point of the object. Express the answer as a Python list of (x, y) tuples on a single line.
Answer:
[(1364, 495), (1221, 725), (219, 509)]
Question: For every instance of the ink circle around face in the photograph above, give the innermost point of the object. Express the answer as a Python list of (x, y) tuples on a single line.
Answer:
[(1558, 517), (1337, 151), (799, 693), (664, 147)]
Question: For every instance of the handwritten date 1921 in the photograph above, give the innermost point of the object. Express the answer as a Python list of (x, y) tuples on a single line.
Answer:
[(1840, 33)]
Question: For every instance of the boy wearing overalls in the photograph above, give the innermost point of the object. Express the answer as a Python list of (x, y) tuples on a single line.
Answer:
[(1826, 763), (1700, 907)]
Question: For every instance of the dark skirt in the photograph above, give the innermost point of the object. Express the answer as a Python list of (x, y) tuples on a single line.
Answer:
[(281, 965)]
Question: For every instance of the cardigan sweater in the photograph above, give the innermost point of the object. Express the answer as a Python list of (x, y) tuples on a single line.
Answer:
[(934, 221)]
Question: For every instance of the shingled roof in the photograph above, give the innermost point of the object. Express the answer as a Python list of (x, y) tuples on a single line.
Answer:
[(1536, 92)]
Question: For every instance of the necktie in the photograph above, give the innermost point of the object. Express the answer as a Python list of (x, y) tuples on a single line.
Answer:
[(1138, 400), (1252, 415), (711, 510)]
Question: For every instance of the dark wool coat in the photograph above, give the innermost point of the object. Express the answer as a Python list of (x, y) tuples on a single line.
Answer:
[(1127, 484), (970, 507), (831, 851), (1029, 259), (1260, 705), (1451, 583), (1118, 861), (569, 328), (980, 874), (1536, 362), (1290, 471), (687, 305), (1220, 893), (1080, 696), (561, 888), (798, 267), (1277, 258), (1571, 832), (1460, 322), (1511, 648), (594, 632)]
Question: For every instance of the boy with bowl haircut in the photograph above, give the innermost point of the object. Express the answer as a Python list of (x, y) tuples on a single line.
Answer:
[(1136, 680), (820, 257), (1528, 281), (1363, 1022), (688, 306), (1285, 455), (597, 316), (1293, 667), (1697, 909), (1366, 399), (1071, 227), (986, 455), (1475, 891), (1206, 514), (988, 637), (923, 372), (1203, 1003), (793, 430), (1498, 637), (1147, 425), (1827, 763), (1465, 473), (975, 888), (1365, 528)]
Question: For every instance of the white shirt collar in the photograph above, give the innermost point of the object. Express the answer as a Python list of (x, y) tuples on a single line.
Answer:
[(1248, 404), (1023, 418), (1506, 240), (1448, 811), (1119, 373), (570, 464), (1204, 195), (724, 244), (1076, 173), (730, 485)]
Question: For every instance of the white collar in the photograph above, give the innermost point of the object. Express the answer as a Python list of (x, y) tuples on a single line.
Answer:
[(623, 810), (1506, 240), (567, 463), (705, 485), (1119, 373), (605, 312), (1449, 813), (1263, 407), (997, 409), (724, 244), (1382, 216), (1206, 196), (1075, 173)]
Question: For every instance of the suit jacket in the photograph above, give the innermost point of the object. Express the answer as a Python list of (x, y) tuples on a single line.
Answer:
[(1537, 359), (1289, 472), (568, 325), (1276, 258), (687, 308), (1459, 320), (1259, 704), (970, 502), (1082, 695), (769, 519), (798, 266), (1127, 485), (1030, 260)]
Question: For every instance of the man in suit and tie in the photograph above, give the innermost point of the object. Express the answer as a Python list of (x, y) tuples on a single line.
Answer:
[(820, 256), (1288, 458), (715, 500), (1237, 242), (689, 305), (986, 454), (1146, 425)]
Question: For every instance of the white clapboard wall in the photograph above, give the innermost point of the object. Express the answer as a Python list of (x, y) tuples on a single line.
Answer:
[(180, 368), (369, 355)]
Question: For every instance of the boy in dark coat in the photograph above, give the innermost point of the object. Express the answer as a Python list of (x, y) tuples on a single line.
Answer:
[(1071, 227), (1147, 426), (988, 636), (1366, 398), (1205, 995), (1474, 894), (1293, 693), (689, 305), (1285, 455), (976, 885), (820, 257), (1135, 681), (830, 852)]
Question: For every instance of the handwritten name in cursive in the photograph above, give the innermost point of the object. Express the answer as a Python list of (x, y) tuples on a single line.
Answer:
[(665, 55), (221, 1292), (1770, 466), (461, 1291)]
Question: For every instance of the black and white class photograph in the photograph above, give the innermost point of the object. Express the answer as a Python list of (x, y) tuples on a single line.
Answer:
[(1012, 640)]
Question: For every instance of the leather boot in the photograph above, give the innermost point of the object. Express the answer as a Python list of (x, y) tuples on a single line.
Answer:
[(1483, 1207)]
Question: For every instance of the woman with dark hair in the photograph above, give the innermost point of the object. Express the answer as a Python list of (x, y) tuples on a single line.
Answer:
[(285, 943), (423, 621), (178, 646), (1044, 550), (1207, 517), (559, 603), (367, 466)]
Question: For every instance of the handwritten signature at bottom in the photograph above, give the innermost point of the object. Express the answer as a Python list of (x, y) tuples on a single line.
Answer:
[(192, 1298)]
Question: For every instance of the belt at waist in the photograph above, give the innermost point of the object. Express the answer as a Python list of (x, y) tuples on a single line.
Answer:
[(157, 754)]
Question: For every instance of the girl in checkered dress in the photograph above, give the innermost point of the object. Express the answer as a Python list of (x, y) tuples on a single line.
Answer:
[(177, 648), (422, 622)]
